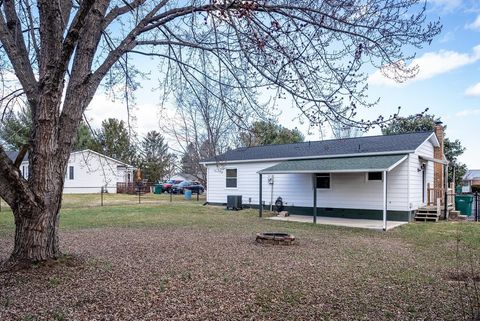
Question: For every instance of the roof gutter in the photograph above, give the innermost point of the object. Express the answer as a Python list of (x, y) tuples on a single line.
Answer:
[(325, 171), (337, 170), (438, 161)]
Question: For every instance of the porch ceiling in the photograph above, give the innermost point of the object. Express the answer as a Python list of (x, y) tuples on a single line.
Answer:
[(337, 165)]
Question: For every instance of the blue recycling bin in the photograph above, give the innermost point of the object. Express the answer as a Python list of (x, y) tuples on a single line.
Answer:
[(187, 194)]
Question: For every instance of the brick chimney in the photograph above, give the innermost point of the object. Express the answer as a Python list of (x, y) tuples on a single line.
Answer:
[(438, 154)]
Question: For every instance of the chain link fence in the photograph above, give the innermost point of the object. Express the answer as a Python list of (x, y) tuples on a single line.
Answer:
[(81, 197)]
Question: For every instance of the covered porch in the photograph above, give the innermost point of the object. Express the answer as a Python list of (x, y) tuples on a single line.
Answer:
[(378, 164)]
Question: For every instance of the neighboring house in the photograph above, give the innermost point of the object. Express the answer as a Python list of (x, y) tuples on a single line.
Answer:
[(366, 177), (89, 171), (471, 180)]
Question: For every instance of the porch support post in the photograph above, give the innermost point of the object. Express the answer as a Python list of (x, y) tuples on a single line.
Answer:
[(314, 198), (445, 183), (260, 202), (385, 200)]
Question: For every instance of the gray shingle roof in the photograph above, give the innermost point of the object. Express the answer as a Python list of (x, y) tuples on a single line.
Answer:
[(472, 174), (13, 155), (340, 164), (350, 146)]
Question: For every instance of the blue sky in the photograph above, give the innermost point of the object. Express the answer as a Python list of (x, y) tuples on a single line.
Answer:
[(449, 79), (448, 84)]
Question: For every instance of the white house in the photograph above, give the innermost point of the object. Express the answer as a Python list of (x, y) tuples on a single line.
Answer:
[(89, 171), (371, 177)]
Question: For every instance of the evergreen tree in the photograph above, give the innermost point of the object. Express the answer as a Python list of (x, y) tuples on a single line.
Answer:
[(426, 122), (115, 141), (267, 133), (156, 159), (15, 128), (85, 139)]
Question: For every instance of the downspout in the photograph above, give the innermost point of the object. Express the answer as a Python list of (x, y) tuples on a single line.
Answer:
[(385, 200), (260, 205), (445, 181), (271, 193), (314, 198), (408, 188)]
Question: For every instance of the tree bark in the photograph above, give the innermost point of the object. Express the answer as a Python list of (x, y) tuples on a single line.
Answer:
[(37, 221), (36, 235)]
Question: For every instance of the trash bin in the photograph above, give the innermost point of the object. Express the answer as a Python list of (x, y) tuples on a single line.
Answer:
[(458, 190), (187, 194), (463, 203), (158, 189)]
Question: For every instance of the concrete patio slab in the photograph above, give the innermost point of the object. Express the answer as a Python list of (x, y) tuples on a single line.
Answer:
[(338, 221)]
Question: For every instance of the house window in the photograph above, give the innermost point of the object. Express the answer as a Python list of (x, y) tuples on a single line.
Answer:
[(71, 174), (374, 176), (231, 178), (323, 181)]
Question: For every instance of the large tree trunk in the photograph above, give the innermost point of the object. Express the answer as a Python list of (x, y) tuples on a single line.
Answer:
[(36, 235), (37, 223), (37, 218)]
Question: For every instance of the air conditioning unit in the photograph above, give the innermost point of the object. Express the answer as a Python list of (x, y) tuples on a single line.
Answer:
[(234, 202)]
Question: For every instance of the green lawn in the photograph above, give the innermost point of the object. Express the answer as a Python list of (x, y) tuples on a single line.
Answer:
[(184, 260), (82, 211)]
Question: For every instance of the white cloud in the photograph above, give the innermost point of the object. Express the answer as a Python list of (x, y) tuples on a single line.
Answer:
[(146, 116), (447, 5), (468, 113), (473, 91), (430, 64), (474, 25)]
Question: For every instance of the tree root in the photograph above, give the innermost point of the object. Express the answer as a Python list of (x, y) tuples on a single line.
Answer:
[(14, 265)]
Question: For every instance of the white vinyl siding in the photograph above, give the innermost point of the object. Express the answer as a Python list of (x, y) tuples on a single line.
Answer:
[(347, 190), (416, 178), (90, 172)]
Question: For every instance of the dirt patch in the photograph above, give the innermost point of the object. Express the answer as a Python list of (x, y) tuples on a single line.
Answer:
[(463, 276)]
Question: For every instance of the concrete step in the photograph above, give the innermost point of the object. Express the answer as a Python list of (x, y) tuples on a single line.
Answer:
[(453, 215)]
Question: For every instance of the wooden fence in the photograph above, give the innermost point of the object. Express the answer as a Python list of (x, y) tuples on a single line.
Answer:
[(133, 188)]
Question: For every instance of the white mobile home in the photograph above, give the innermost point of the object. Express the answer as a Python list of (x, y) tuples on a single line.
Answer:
[(89, 172), (365, 177)]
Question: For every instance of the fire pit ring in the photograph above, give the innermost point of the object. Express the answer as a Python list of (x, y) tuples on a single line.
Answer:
[(275, 238)]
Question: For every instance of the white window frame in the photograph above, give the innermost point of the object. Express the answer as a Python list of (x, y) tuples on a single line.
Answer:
[(71, 170), (226, 178), (367, 179), (329, 182)]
